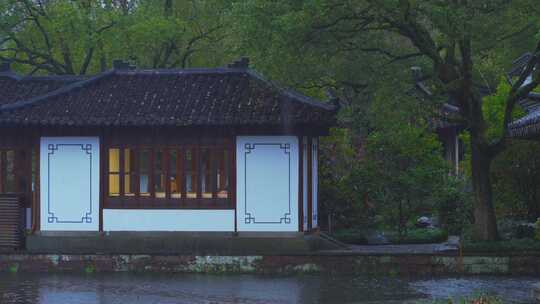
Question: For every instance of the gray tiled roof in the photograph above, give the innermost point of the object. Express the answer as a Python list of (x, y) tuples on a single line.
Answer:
[(188, 97)]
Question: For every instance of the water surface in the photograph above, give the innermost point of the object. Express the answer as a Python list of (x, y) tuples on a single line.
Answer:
[(133, 288)]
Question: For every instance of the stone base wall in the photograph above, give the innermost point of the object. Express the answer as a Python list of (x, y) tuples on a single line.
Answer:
[(365, 264)]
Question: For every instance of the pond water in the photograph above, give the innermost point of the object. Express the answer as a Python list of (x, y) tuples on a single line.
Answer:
[(251, 289)]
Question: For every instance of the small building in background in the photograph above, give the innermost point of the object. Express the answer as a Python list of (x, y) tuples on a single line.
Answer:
[(199, 150), (527, 127), (445, 121)]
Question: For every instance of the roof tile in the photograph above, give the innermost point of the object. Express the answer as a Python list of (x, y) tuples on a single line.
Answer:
[(175, 97)]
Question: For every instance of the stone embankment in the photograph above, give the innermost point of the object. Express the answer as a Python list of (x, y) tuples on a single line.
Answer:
[(401, 264)]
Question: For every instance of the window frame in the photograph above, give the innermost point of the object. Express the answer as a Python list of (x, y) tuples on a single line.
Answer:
[(138, 201)]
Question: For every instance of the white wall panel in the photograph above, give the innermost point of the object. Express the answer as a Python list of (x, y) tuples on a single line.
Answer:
[(267, 183), (168, 220), (69, 175)]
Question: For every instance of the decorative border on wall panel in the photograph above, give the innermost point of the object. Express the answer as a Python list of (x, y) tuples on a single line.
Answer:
[(86, 218), (250, 218)]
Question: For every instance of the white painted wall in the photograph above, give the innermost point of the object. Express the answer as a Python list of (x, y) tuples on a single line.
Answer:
[(315, 180), (69, 175), (267, 183), (168, 220)]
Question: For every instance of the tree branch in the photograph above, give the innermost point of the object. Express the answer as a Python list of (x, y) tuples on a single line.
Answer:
[(518, 92)]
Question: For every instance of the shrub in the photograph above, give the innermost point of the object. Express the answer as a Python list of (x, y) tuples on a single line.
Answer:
[(506, 246), (454, 206), (351, 236), (537, 231), (419, 236)]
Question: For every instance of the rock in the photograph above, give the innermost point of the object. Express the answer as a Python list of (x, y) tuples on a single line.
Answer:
[(525, 230), (424, 222), (376, 238), (451, 245), (536, 292)]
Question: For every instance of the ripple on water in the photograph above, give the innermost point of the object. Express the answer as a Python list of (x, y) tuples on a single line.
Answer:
[(133, 288)]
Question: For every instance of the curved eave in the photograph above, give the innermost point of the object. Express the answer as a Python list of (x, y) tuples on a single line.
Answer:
[(527, 126)]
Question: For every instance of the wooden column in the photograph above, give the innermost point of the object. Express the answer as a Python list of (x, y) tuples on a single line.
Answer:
[(3, 171), (166, 171), (214, 154), (196, 169), (103, 179), (309, 183), (37, 211), (300, 184), (232, 180), (151, 172), (121, 171), (181, 172), (318, 180)]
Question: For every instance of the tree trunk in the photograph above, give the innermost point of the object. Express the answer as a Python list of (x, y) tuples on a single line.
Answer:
[(485, 226)]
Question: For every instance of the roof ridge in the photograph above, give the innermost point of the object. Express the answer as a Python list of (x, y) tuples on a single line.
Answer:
[(56, 77), (290, 93), (62, 90), (11, 75), (218, 70)]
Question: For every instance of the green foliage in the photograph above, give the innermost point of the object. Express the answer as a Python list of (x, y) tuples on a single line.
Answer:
[(340, 192), (81, 37), (14, 268), (88, 269), (384, 160), (501, 247), (419, 236), (351, 236), (404, 161), (494, 106), (537, 230), (454, 206), (516, 181), (515, 173)]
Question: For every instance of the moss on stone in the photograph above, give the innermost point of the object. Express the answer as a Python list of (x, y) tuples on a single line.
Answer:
[(14, 268)]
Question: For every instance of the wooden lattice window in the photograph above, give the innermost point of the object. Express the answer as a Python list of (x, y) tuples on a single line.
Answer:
[(179, 176)]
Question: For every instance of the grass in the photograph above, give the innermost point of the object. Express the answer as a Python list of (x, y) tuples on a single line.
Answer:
[(481, 299), (503, 246), (414, 236)]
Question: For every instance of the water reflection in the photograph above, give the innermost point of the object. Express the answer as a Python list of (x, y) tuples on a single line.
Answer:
[(247, 289)]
